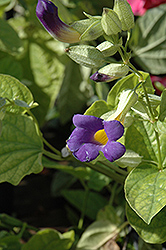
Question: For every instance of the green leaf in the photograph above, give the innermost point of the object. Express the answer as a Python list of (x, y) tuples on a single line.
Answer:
[(129, 159), (96, 235), (162, 110), (9, 66), (145, 190), (20, 149), (155, 232), (9, 39), (48, 73), (71, 99), (13, 89), (49, 239), (86, 55), (10, 242), (140, 137), (148, 41), (98, 108), (94, 202), (128, 82)]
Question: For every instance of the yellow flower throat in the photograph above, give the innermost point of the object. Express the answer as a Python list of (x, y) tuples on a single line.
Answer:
[(101, 137)]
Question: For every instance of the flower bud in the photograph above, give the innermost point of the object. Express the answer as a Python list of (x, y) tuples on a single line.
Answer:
[(110, 72), (125, 14), (93, 31), (47, 14), (110, 22), (86, 55), (107, 48), (127, 99)]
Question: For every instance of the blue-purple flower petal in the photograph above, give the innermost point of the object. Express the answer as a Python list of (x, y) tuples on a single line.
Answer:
[(114, 129), (113, 150), (78, 137), (87, 152), (99, 77), (47, 14), (88, 122)]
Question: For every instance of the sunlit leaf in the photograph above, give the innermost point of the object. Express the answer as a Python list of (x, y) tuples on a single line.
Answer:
[(145, 190)]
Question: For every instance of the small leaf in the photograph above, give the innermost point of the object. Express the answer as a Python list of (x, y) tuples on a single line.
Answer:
[(13, 89), (128, 82), (155, 232), (145, 190), (96, 235), (50, 239), (129, 159), (20, 149), (98, 108), (21, 104)]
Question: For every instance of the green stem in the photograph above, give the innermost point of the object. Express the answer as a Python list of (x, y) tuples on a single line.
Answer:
[(51, 147), (148, 161), (36, 122), (148, 103), (52, 156), (107, 172), (81, 220), (127, 41), (113, 193), (116, 168), (159, 151), (136, 72)]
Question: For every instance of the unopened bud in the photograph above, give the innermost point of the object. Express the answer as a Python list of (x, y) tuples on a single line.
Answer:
[(125, 14), (110, 22), (86, 55), (107, 48)]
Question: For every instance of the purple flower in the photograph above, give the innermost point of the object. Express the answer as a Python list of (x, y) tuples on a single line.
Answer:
[(47, 14), (93, 134), (99, 77)]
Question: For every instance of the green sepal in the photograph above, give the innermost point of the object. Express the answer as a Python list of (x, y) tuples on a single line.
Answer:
[(125, 14), (93, 31), (107, 48), (86, 55), (110, 22), (114, 70)]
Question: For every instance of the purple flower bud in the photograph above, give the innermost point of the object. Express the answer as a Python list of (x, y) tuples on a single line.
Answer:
[(99, 77), (47, 14)]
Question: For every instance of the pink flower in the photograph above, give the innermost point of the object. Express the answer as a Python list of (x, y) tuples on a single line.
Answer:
[(139, 7)]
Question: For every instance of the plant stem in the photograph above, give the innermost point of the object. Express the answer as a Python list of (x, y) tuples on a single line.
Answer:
[(107, 172), (51, 147), (81, 220), (52, 156), (159, 151), (116, 168)]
